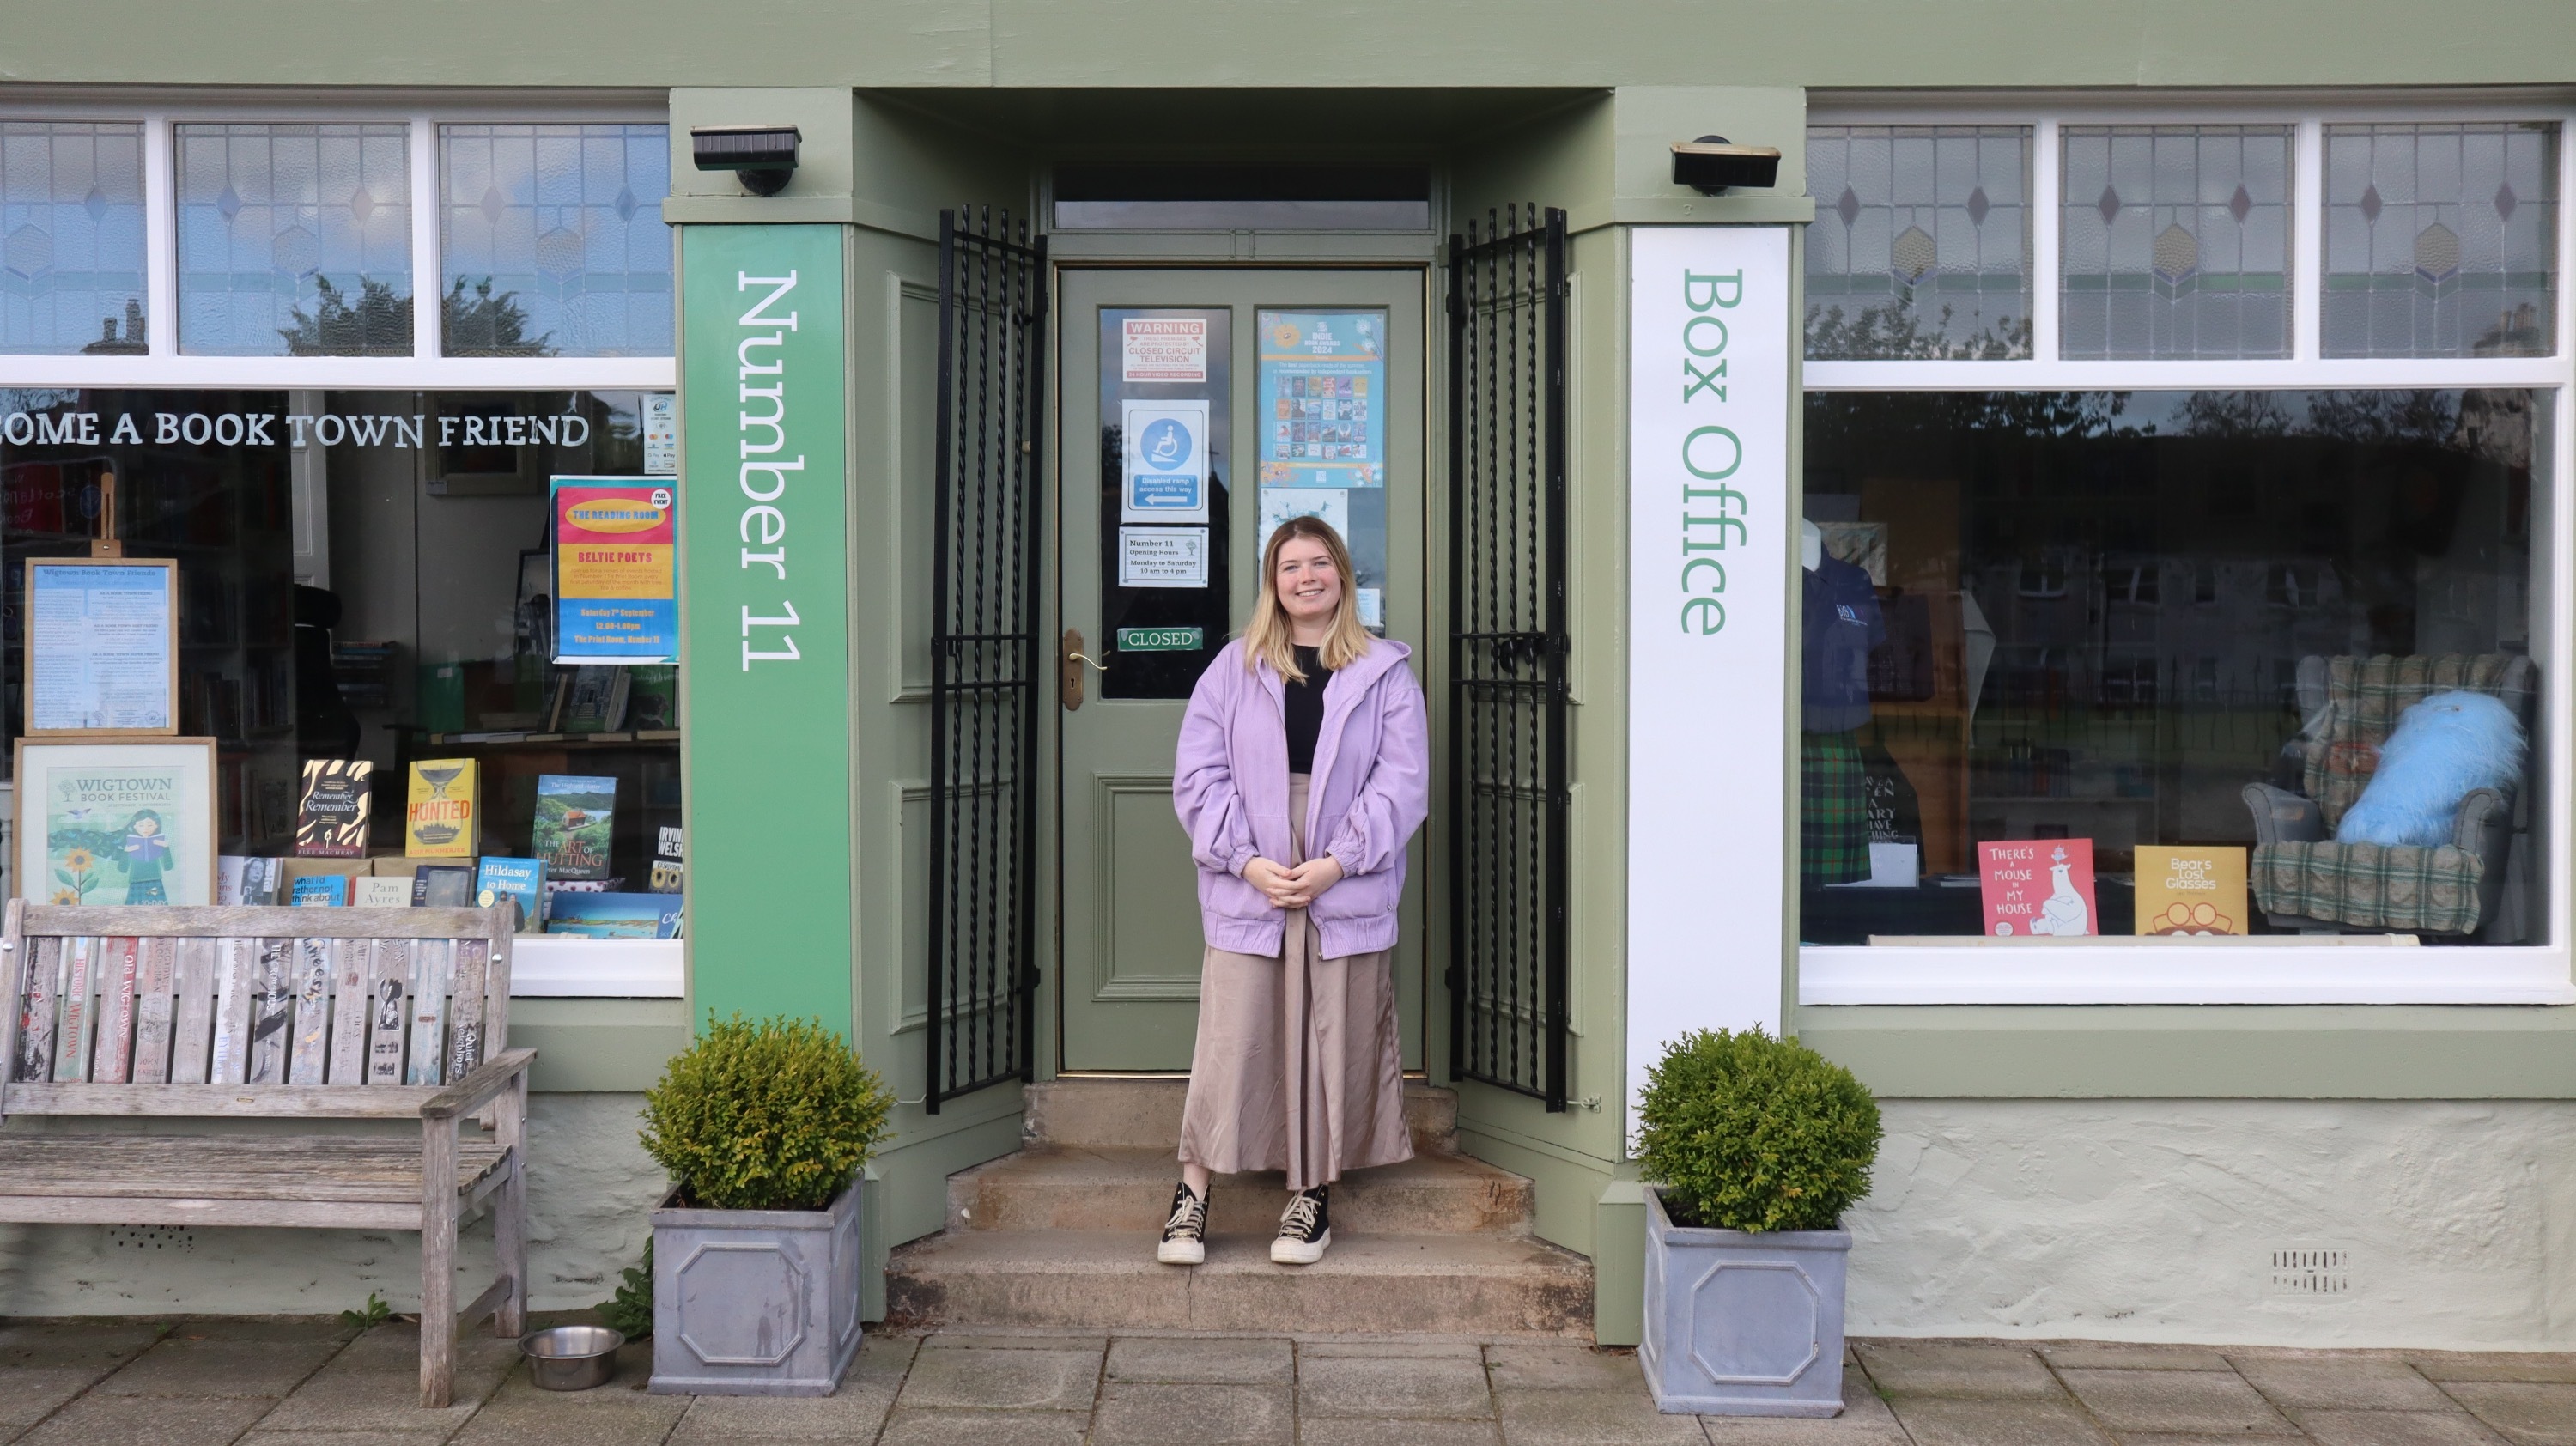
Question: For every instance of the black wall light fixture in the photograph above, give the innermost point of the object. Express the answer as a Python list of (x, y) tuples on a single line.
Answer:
[(763, 156), (1711, 164)]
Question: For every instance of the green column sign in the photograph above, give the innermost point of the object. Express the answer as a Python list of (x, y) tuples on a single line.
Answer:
[(765, 552)]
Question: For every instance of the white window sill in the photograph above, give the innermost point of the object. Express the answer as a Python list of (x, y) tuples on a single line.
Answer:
[(2267, 970), (568, 966)]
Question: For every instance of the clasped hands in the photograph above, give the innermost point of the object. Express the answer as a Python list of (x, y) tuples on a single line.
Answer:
[(1288, 888)]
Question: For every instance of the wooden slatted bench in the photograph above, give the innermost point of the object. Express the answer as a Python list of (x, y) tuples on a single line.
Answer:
[(275, 1014)]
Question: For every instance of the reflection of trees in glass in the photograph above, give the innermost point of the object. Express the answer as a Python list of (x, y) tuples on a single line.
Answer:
[(2414, 415), (2235, 414), (486, 325), (378, 323), (1896, 331), (1850, 419)]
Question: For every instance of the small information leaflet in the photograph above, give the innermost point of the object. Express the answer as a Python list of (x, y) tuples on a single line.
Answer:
[(102, 645), (616, 573)]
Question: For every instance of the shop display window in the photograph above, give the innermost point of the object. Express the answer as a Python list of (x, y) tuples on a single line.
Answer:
[(2176, 241), (2122, 628), (2441, 240), (1921, 243), (552, 242), (294, 240), (71, 237)]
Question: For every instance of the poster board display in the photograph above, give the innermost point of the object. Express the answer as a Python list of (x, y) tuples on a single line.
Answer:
[(102, 646), (1322, 427), (116, 820), (616, 567)]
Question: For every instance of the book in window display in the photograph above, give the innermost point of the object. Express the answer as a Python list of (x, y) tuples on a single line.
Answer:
[(442, 821), (331, 816), (2038, 887), (573, 824), (590, 699), (2192, 891)]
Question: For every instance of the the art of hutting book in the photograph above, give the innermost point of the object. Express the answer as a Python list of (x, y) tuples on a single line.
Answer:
[(331, 813), (521, 881), (442, 821), (2192, 890), (571, 831), (2037, 886)]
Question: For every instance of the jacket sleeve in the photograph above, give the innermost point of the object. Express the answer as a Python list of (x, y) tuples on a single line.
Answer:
[(1396, 797), (1203, 791)]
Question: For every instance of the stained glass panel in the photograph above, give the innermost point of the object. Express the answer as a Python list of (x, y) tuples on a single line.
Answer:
[(294, 240), (2441, 240), (552, 242), (2176, 241), (1921, 243), (71, 237)]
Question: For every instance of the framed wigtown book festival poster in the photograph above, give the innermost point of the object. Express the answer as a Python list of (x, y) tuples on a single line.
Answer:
[(116, 821)]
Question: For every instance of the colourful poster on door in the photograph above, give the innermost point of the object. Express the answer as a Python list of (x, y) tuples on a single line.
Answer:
[(617, 597), (1323, 398), (2038, 886)]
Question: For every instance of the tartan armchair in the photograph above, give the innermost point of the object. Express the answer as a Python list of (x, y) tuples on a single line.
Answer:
[(2303, 879)]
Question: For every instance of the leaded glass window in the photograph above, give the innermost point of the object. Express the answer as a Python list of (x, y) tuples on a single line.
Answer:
[(552, 242), (1921, 243), (2440, 239), (71, 237), (294, 240), (2176, 241)]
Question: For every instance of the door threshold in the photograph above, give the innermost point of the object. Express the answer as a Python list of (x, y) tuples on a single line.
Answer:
[(1412, 1076)]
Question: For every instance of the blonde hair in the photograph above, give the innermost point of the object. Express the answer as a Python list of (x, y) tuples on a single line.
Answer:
[(1268, 635)]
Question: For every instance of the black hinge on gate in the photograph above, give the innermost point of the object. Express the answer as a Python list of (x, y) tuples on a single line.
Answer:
[(985, 664), (1508, 841)]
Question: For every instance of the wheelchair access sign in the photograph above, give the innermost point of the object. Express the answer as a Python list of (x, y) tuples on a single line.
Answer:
[(1166, 468)]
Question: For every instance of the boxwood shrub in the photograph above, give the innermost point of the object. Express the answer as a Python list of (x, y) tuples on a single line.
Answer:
[(1747, 1132), (773, 1115)]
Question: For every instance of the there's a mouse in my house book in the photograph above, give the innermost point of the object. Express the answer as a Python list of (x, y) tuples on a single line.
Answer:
[(2040, 886)]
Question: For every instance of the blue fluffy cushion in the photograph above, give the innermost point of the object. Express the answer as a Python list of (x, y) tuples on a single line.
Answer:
[(2443, 748)]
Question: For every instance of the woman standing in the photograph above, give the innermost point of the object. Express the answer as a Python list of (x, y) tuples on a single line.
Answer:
[(1305, 731)]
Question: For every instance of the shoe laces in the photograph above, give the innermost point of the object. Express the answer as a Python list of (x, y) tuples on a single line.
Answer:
[(1302, 1213), (1189, 1214)]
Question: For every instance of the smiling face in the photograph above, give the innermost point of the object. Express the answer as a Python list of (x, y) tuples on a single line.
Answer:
[(1308, 585)]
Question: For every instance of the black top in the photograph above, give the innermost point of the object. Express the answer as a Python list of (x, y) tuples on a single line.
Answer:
[(1306, 710)]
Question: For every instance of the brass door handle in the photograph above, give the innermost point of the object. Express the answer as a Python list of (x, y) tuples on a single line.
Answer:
[(1069, 669)]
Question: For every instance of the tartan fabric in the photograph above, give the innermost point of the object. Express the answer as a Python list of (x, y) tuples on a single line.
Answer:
[(2372, 886), (2364, 697), (1833, 810)]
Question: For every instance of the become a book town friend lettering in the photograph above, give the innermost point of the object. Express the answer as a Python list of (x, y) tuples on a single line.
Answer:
[(764, 524)]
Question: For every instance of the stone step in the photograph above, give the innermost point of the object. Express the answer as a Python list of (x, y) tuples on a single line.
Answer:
[(1062, 1187), (1483, 1285), (1145, 1113)]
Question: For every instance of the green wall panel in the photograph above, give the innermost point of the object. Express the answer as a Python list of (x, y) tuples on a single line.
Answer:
[(765, 555)]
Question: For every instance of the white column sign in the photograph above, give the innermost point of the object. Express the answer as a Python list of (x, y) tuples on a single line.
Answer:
[(1710, 536)]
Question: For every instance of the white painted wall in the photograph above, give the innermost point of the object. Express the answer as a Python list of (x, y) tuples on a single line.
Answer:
[(590, 1192), (2156, 1219)]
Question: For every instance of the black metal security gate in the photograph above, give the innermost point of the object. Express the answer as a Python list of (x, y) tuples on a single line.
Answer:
[(984, 657), (1507, 746)]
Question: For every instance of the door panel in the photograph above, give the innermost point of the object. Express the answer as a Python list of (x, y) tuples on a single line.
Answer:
[(1130, 927)]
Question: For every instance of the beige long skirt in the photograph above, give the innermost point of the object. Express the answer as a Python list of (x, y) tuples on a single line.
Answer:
[(1299, 1066)]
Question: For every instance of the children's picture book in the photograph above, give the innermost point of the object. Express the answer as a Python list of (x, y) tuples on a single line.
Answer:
[(442, 821), (571, 830), (443, 886), (2192, 889), (520, 881), (591, 699), (320, 890), (614, 916), (253, 881), (331, 812), (2038, 886), (371, 892)]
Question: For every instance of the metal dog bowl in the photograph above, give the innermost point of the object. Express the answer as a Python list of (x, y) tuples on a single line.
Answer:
[(571, 1358)]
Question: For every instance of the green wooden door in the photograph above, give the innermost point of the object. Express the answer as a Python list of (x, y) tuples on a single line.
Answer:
[(1252, 395)]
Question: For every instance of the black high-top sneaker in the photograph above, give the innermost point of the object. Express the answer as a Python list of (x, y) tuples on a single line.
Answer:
[(1185, 1234), (1305, 1227)]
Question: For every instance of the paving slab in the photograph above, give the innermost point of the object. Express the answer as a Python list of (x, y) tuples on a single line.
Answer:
[(1430, 1386), (1592, 1418), (985, 1428), (375, 1400), (1018, 1341), (604, 1417), (1865, 1421), (2526, 1413), (203, 1364), (29, 1394), (2543, 1366), (2175, 1401), (1564, 1365), (264, 1437), (1382, 1347), (1152, 1413), (853, 1413), (2395, 1428), (2335, 1382), (56, 1343), (1950, 1421), (2128, 1356), (96, 1420), (1970, 1370), (395, 1346), (1385, 1431), (1002, 1380), (1223, 1360)]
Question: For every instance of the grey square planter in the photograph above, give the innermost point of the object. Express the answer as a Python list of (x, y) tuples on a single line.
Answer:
[(1743, 1324), (756, 1302)]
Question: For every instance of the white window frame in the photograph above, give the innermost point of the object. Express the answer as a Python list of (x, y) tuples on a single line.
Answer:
[(543, 965), (2264, 969)]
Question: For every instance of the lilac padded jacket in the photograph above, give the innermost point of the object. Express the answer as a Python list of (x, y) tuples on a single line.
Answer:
[(1369, 791)]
